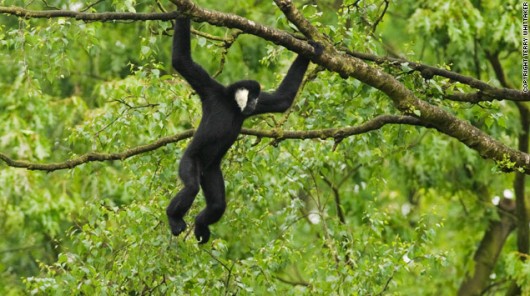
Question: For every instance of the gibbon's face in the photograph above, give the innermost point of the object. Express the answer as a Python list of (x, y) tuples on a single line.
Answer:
[(246, 101)]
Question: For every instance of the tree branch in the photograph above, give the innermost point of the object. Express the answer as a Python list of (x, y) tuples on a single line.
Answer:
[(95, 156), (473, 98), (489, 249), (336, 195), (295, 17), (84, 16), (488, 92), (335, 133), (380, 18), (523, 231)]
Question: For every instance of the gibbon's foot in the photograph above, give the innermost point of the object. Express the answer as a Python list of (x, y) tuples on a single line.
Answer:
[(202, 233), (177, 226), (319, 48)]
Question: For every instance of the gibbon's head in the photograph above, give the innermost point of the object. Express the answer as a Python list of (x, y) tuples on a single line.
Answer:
[(245, 94)]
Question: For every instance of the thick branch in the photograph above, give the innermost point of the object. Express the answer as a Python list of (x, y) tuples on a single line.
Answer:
[(338, 133)]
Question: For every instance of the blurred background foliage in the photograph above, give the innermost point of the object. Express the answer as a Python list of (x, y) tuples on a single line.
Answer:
[(399, 211)]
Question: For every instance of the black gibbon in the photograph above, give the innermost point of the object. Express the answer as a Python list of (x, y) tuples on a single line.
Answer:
[(224, 108)]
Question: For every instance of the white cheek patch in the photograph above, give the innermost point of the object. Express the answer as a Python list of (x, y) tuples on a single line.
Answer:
[(242, 98)]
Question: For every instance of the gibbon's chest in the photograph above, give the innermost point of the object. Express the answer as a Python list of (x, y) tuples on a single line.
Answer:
[(221, 120), (221, 110)]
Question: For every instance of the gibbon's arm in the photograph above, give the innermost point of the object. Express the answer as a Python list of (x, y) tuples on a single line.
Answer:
[(194, 74), (281, 99)]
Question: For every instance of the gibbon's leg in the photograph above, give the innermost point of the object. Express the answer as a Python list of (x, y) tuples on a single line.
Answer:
[(213, 187), (189, 172)]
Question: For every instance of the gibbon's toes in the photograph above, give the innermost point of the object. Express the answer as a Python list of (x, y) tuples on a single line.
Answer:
[(177, 226), (202, 233)]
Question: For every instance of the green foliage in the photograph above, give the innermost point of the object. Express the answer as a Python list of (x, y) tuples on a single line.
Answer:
[(397, 211), (519, 271)]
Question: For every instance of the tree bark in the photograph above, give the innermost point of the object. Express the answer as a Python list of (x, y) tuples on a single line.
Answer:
[(489, 250)]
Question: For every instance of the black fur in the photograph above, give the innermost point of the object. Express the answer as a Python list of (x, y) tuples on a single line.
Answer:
[(220, 125)]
